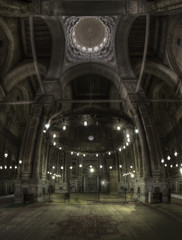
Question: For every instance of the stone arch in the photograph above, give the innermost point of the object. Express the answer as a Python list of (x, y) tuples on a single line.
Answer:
[(122, 51), (58, 47), (11, 50), (160, 71), (93, 68), (20, 73)]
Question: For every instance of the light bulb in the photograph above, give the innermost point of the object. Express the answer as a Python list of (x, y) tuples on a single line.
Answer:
[(120, 166), (168, 157), (71, 153), (97, 154), (71, 167), (62, 167), (101, 166), (136, 130), (162, 160), (47, 125), (118, 128), (54, 135), (80, 165), (109, 153), (85, 123), (120, 149), (92, 170), (64, 127), (54, 143), (175, 154), (110, 167)]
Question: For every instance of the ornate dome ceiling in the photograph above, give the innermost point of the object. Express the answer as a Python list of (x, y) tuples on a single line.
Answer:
[(89, 37), (90, 34)]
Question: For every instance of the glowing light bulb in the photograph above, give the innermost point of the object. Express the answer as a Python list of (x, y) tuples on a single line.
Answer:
[(92, 170), (175, 154), (54, 135), (64, 127), (136, 130), (47, 125), (85, 123), (110, 167), (120, 166), (118, 128)]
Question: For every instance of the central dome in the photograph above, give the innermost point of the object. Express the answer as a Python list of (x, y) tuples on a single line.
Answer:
[(90, 34)]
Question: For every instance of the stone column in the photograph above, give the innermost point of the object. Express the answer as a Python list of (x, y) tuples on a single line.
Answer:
[(29, 180)]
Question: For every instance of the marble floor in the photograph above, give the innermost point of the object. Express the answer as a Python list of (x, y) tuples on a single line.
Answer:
[(87, 217)]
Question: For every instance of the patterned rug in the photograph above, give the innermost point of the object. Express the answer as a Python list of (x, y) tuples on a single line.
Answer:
[(90, 227)]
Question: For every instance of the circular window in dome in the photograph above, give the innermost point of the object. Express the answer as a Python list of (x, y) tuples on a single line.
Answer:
[(90, 34)]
